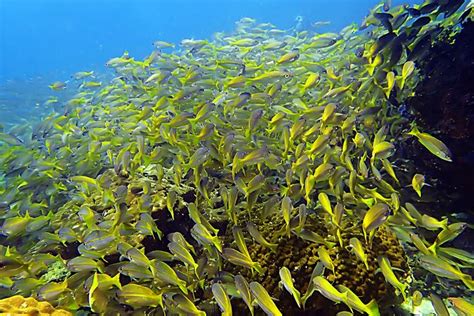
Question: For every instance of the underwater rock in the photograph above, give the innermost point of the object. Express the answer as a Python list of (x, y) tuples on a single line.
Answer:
[(444, 102)]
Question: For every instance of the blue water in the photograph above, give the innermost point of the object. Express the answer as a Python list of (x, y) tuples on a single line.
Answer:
[(60, 37), (42, 41)]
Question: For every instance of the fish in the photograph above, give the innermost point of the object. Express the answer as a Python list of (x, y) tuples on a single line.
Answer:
[(52, 290), (166, 274), (443, 269), (318, 270), (381, 43), (85, 179), (240, 259), (219, 140), (325, 258), (15, 226), (318, 145), (185, 306), (162, 44), (171, 199), (325, 203), (354, 302), (10, 139), (438, 305), (58, 85), (382, 150), (390, 276), (90, 84), (135, 271), (462, 306), (314, 237), (200, 156), (321, 41), (263, 299), (236, 82), (432, 223), (374, 218), (358, 249), (146, 225), (222, 299), (448, 233), (139, 296), (289, 57), (252, 229), (82, 263), (384, 18), (272, 75), (138, 257), (461, 255), (243, 42), (82, 74), (419, 244), (243, 288), (417, 183), (310, 82), (287, 281), (286, 208), (322, 172), (183, 254), (328, 290), (434, 145), (255, 184), (240, 240), (390, 84), (200, 232)]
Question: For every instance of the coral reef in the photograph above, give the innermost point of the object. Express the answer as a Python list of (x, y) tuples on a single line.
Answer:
[(20, 306)]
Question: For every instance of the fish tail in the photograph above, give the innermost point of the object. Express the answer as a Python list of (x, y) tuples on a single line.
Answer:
[(116, 281), (467, 280), (273, 247), (403, 290), (366, 265), (193, 122), (302, 90), (258, 268), (248, 133), (414, 131), (217, 243), (186, 168), (297, 297), (182, 81), (373, 308), (433, 248)]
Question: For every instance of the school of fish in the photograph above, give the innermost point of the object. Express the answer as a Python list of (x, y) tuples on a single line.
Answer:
[(260, 123)]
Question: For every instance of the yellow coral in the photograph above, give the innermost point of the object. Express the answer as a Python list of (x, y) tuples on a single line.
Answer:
[(18, 305)]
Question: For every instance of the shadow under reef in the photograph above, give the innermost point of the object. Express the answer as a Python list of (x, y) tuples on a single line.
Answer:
[(443, 104)]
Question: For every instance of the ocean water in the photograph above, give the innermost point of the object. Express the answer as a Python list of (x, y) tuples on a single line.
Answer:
[(233, 158), (57, 38), (49, 40)]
